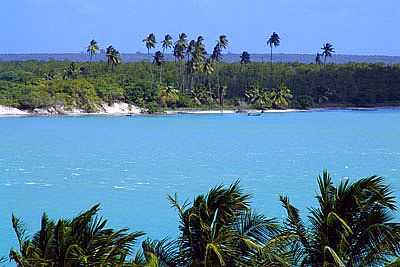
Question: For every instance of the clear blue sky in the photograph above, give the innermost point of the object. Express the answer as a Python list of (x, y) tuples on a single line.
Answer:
[(353, 26)]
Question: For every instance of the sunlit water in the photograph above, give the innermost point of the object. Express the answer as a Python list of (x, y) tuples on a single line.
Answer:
[(64, 165)]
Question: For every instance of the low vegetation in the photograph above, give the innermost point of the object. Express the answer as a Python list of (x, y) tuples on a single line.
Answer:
[(352, 225), (32, 84)]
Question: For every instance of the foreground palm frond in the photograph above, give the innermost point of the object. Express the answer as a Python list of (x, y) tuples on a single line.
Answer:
[(352, 226), (82, 241)]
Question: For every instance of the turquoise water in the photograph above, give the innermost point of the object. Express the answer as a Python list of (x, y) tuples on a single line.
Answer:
[(64, 165)]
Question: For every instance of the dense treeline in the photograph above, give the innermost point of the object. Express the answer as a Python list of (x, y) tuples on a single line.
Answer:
[(33, 84), (352, 225)]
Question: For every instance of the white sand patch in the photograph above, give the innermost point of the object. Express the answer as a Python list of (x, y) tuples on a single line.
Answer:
[(4, 110), (120, 108), (282, 110), (227, 111)]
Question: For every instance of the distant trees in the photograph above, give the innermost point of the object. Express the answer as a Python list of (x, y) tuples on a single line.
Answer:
[(258, 97), (22, 85), (276, 98)]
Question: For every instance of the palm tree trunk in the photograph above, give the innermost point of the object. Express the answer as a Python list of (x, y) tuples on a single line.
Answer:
[(161, 69), (270, 75)]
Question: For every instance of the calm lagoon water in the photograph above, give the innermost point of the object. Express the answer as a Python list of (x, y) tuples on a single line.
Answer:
[(64, 165)]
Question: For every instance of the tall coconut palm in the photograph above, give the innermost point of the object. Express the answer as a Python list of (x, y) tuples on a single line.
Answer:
[(167, 43), (222, 43), (208, 69), (219, 229), (113, 57), (245, 60), (179, 53), (158, 60), (351, 226), (327, 51), (273, 41), (196, 57), (92, 49), (81, 241), (150, 42)]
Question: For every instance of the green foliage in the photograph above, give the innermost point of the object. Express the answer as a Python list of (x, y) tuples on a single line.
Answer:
[(352, 225), (81, 241), (33, 84), (304, 102), (259, 98)]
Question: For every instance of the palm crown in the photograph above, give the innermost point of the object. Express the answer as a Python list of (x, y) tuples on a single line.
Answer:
[(82, 241), (113, 56), (245, 58), (92, 48), (167, 42), (327, 51), (352, 226), (274, 40), (150, 42)]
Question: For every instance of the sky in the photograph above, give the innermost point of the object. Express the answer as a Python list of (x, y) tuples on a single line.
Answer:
[(362, 27)]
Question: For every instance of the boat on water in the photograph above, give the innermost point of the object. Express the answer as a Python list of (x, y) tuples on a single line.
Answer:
[(254, 113)]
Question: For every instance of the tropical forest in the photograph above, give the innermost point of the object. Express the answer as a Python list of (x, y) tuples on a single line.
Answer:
[(181, 74)]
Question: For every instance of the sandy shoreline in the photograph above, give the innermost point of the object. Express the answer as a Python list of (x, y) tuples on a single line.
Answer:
[(123, 109)]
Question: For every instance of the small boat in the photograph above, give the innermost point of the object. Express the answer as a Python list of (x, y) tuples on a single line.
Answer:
[(254, 114)]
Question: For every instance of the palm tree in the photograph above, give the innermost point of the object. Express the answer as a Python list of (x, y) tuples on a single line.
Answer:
[(196, 57), (167, 95), (352, 225), (167, 43), (158, 253), (328, 50), (81, 241), (179, 53), (219, 229), (245, 58), (158, 60), (318, 59), (258, 97), (222, 43), (113, 57), (92, 49), (281, 96), (150, 42), (273, 41), (208, 69)]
